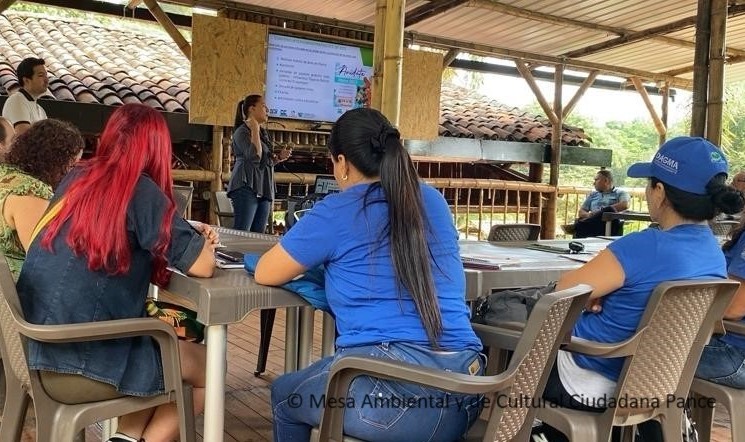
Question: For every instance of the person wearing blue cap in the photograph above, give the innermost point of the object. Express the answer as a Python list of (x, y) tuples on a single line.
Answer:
[(686, 187)]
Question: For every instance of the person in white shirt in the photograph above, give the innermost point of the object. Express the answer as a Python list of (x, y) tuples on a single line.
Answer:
[(21, 108)]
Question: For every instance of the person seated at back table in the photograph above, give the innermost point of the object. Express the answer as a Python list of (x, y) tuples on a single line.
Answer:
[(394, 281), (36, 163), (686, 188), (606, 197), (116, 230)]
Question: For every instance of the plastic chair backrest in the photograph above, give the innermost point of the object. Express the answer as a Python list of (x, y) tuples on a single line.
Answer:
[(14, 349), (224, 209), (182, 196), (514, 232)]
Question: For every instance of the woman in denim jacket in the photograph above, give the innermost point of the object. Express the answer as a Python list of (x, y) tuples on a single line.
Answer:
[(116, 230), (394, 281)]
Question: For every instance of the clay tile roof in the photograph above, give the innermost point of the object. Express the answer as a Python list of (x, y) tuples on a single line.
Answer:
[(467, 114), (117, 63), (94, 63)]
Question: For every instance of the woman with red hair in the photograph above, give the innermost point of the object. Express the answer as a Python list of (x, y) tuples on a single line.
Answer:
[(115, 231)]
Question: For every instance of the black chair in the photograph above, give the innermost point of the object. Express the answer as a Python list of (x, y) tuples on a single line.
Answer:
[(182, 196), (514, 232)]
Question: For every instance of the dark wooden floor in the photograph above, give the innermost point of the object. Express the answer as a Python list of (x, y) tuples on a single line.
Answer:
[(248, 414)]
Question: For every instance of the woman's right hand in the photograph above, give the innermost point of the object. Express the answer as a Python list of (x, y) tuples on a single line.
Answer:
[(253, 124)]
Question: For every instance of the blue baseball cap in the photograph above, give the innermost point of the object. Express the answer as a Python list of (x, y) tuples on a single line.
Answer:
[(687, 163)]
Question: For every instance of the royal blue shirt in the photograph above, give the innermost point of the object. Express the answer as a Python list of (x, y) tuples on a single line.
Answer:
[(649, 257), (736, 267), (349, 238)]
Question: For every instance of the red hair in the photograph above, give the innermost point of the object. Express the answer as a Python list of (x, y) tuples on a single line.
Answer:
[(135, 141)]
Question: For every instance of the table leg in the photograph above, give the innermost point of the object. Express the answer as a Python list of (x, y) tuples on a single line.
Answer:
[(214, 403), (329, 336), (305, 337), (291, 327)]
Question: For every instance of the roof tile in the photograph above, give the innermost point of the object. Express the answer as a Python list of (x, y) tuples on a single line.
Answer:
[(116, 64)]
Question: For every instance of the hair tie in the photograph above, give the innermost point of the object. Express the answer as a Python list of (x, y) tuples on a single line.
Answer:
[(379, 142)]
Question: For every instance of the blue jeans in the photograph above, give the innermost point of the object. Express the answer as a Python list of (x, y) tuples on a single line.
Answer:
[(251, 212), (378, 410), (722, 363)]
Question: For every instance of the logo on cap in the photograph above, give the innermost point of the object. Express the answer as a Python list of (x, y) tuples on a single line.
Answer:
[(716, 157), (667, 163)]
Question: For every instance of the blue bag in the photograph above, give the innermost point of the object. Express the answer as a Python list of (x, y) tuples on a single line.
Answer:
[(310, 286)]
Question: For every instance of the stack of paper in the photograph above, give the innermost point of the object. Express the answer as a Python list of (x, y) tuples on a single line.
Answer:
[(486, 262)]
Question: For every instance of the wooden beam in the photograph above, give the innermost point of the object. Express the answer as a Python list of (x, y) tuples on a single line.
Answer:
[(429, 10), (451, 55), (716, 71), (133, 3), (216, 168), (701, 69), (487, 50), (580, 92), (665, 106), (525, 72), (658, 124), (5, 4), (652, 32), (169, 27), (528, 14)]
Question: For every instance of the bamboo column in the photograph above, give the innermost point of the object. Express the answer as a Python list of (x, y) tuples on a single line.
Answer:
[(549, 226), (169, 27), (665, 104), (216, 160), (701, 68), (376, 89), (716, 71), (535, 175), (5, 4), (393, 45), (658, 124)]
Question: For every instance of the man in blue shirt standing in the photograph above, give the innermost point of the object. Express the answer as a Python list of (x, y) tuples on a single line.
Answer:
[(606, 197)]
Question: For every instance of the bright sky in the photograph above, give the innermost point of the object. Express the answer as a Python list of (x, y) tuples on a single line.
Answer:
[(600, 104)]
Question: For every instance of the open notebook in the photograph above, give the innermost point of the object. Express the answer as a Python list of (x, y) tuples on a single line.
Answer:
[(487, 262)]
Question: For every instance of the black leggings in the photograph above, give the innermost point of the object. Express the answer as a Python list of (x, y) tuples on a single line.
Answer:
[(649, 431)]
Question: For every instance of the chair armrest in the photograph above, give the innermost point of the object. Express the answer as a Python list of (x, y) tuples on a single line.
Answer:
[(604, 349), (346, 369), (96, 331), (163, 334), (498, 337), (734, 327)]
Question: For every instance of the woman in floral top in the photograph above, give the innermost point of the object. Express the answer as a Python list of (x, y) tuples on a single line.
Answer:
[(37, 161)]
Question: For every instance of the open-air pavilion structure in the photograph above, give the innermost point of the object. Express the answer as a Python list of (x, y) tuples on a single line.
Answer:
[(655, 47)]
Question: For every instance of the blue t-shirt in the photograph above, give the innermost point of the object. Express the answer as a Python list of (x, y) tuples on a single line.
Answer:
[(736, 267), (649, 257), (597, 200), (361, 285)]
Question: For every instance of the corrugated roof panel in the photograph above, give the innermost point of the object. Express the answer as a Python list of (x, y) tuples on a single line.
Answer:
[(645, 55)]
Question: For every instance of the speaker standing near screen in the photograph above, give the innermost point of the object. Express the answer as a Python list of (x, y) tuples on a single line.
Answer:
[(251, 187)]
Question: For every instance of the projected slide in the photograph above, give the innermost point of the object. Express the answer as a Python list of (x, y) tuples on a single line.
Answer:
[(313, 80)]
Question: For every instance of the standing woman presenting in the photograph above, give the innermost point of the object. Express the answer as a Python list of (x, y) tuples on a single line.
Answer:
[(251, 187)]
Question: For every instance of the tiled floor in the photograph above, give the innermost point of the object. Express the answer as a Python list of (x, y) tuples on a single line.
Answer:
[(248, 415)]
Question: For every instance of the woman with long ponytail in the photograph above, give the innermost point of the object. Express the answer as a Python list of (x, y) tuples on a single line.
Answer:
[(395, 283)]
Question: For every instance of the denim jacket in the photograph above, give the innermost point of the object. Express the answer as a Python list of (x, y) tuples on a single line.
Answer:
[(56, 287)]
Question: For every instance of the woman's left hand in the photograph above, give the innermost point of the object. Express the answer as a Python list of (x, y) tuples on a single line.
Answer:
[(284, 154), (212, 237)]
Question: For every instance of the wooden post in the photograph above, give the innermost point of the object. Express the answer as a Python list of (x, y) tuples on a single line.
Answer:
[(376, 89), (580, 92), (535, 174), (549, 225), (216, 166), (701, 69), (169, 27), (393, 59), (525, 72), (716, 71), (665, 104), (658, 124)]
